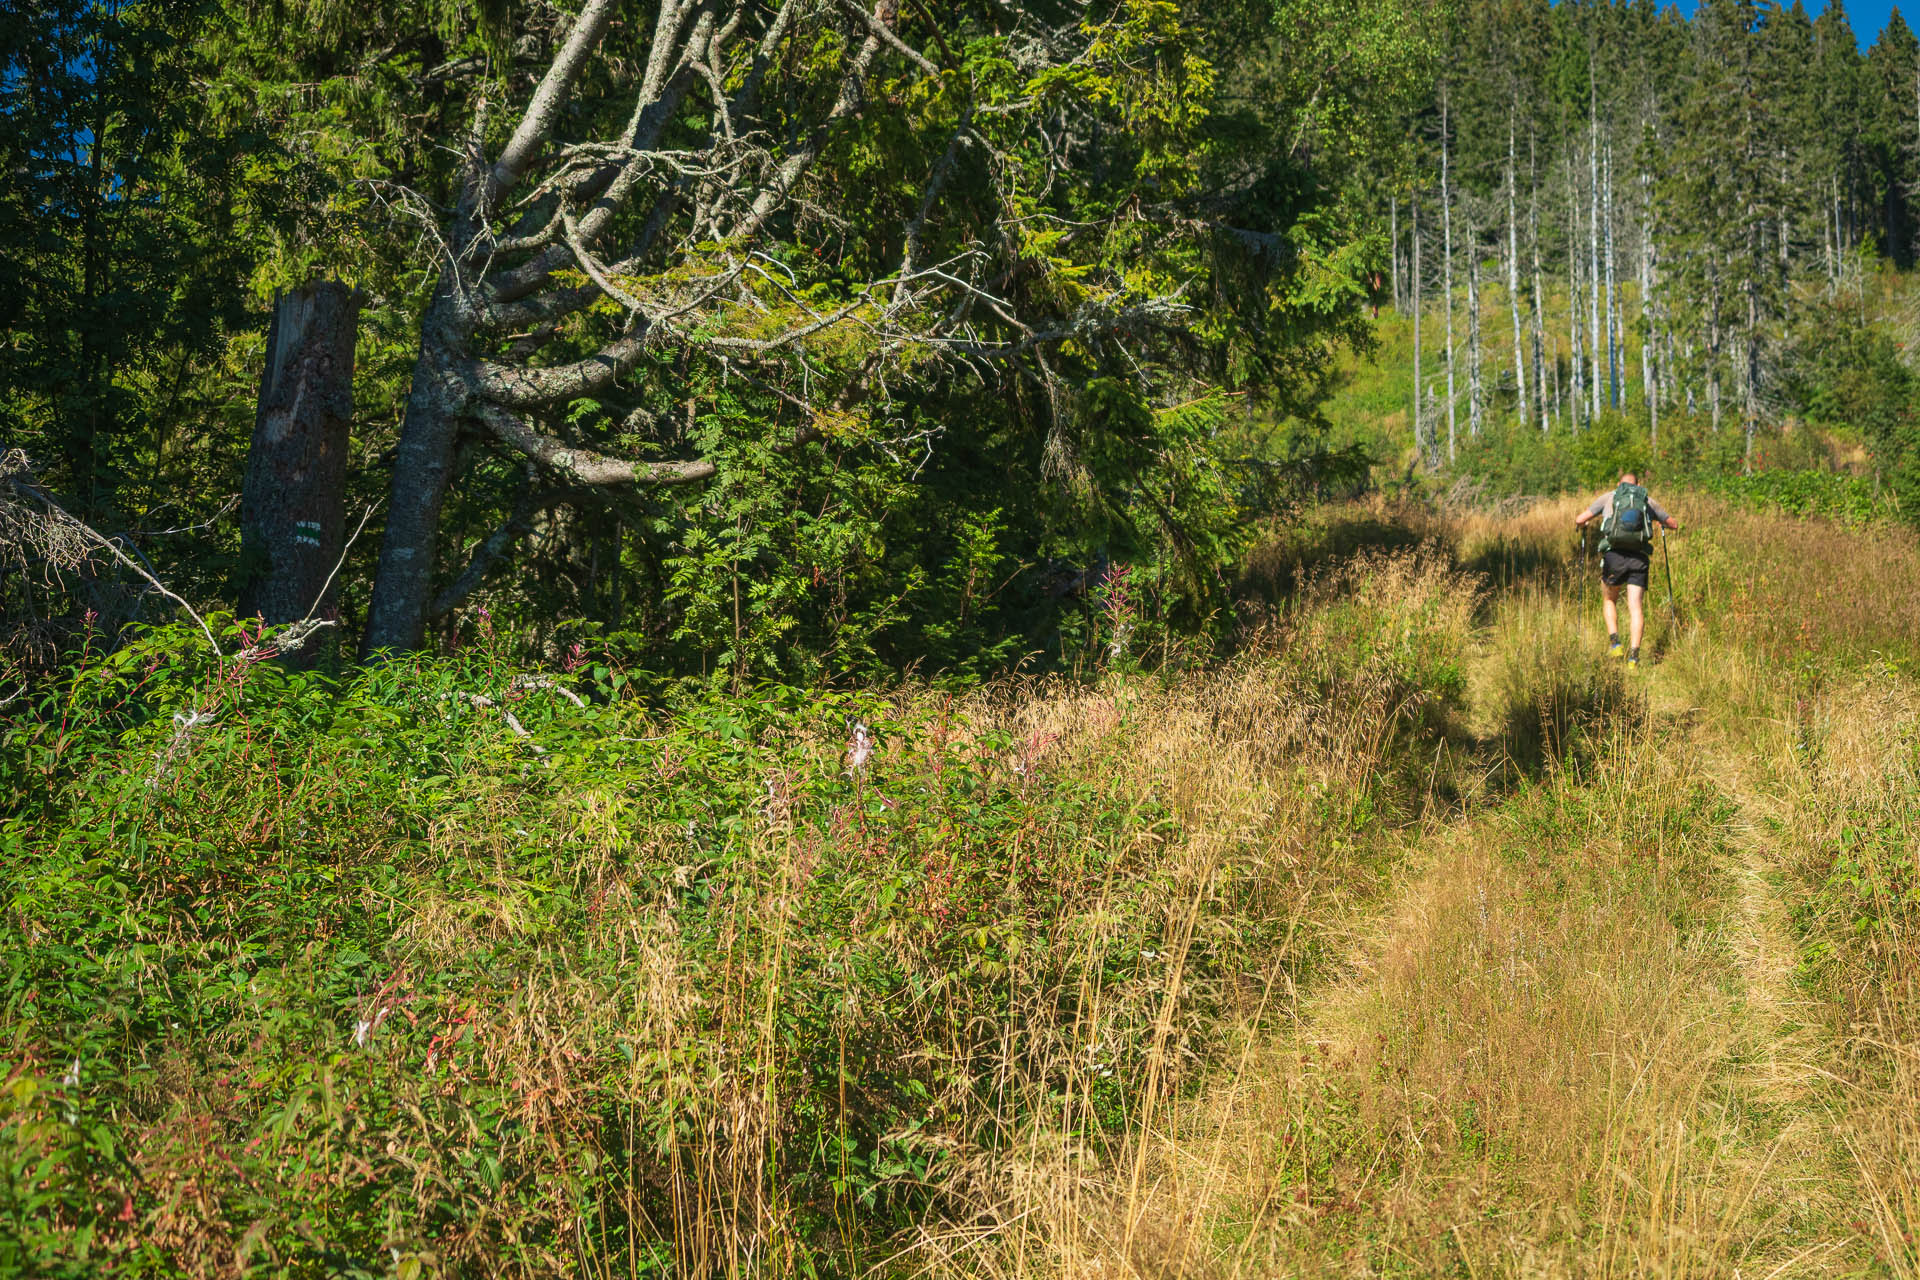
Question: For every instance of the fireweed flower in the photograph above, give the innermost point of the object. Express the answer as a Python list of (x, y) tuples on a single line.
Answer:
[(860, 749), (363, 1030)]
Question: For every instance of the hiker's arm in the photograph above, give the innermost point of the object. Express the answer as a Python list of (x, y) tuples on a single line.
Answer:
[(1660, 514), (1593, 512)]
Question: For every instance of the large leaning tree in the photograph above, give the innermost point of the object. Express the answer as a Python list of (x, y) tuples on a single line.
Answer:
[(836, 209)]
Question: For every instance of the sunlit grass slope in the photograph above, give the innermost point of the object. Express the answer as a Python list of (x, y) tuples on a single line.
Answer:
[(1647, 1009)]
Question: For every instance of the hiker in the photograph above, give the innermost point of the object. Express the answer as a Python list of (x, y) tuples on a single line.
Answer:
[(1626, 516)]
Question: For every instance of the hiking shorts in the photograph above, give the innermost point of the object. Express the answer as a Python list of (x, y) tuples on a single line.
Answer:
[(1618, 569)]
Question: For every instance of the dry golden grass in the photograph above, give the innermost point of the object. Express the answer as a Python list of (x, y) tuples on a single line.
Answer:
[(1807, 662), (1579, 1039)]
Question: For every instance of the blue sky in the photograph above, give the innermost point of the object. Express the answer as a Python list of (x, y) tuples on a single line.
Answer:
[(1867, 16)]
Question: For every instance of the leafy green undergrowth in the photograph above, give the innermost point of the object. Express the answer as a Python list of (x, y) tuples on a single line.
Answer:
[(1835, 495), (442, 969), (371, 969)]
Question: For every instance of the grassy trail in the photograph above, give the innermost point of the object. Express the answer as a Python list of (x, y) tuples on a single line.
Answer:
[(1792, 1049), (1577, 1038)]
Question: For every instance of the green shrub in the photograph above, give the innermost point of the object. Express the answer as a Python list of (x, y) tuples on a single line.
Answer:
[(1853, 499), (358, 976)]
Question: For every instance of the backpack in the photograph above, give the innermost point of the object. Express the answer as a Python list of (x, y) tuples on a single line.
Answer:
[(1628, 525)]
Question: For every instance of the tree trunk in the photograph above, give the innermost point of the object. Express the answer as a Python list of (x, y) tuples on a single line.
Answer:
[(1713, 342), (1616, 358), (1393, 255), (1446, 222), (1751, 403), (1649, 347), (1786, 248), (1577, 396), (1513, 284), (1756, 264), (293, 498), (1420, 447), (1539, 286), (1473, 326), (1593, 246), (1830, 232), (422, 470)]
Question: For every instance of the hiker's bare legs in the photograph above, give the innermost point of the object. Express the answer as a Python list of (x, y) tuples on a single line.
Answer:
[(1636, 615), (1608, 609)]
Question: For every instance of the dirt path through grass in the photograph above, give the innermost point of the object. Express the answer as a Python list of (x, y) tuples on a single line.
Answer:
[(1570, 1044), (1790, 1046)]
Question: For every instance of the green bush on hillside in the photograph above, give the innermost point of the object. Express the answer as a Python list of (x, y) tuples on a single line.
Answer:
[(314, 977)]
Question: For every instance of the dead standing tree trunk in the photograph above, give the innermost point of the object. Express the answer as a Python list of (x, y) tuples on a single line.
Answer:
[(293, 500)]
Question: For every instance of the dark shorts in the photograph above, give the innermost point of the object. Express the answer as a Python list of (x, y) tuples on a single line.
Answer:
[(1617, 568)]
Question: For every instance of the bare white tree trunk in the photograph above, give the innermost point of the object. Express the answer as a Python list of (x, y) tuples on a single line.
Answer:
[(1419, 432), (1616, 358), (1830, 225), (1669, 362), (1593, 241), (1446, 222), (1513, 283), (1473, 326), (1713, 341), (1576, 400), (1756, 263), (1786, 263), (1539, 287), (1649, 345)]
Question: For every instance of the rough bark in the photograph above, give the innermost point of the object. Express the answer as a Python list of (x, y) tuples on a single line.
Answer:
[(423, 467), (293, 498), (667, 244)]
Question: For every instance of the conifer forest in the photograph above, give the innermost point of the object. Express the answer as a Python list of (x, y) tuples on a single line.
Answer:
[(959, 638)]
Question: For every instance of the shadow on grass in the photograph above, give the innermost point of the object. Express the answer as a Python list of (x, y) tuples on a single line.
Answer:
[(1568, 706), (1297, 554), (1507, 563)]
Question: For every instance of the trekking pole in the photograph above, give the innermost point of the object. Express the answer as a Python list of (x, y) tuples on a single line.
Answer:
[(1673, 609)]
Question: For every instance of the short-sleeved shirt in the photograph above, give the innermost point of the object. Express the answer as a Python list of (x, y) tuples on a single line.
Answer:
[(1599, 507)]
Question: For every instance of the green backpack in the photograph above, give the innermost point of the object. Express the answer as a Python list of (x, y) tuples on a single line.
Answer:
[(1628, 524)]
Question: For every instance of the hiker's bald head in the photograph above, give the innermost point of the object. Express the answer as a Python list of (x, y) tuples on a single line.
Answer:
[(1628, 477)]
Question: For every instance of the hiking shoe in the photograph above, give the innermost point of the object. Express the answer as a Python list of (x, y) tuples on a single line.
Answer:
[(1617, 651), (1633, 664)]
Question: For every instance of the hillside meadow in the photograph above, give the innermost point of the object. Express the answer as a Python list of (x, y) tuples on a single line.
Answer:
[(1410, 937)]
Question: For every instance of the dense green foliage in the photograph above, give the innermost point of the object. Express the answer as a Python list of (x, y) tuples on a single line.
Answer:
[(310, 978), (953, 519)]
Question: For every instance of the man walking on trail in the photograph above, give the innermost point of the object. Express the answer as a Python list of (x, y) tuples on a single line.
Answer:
[(1626, 516)]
